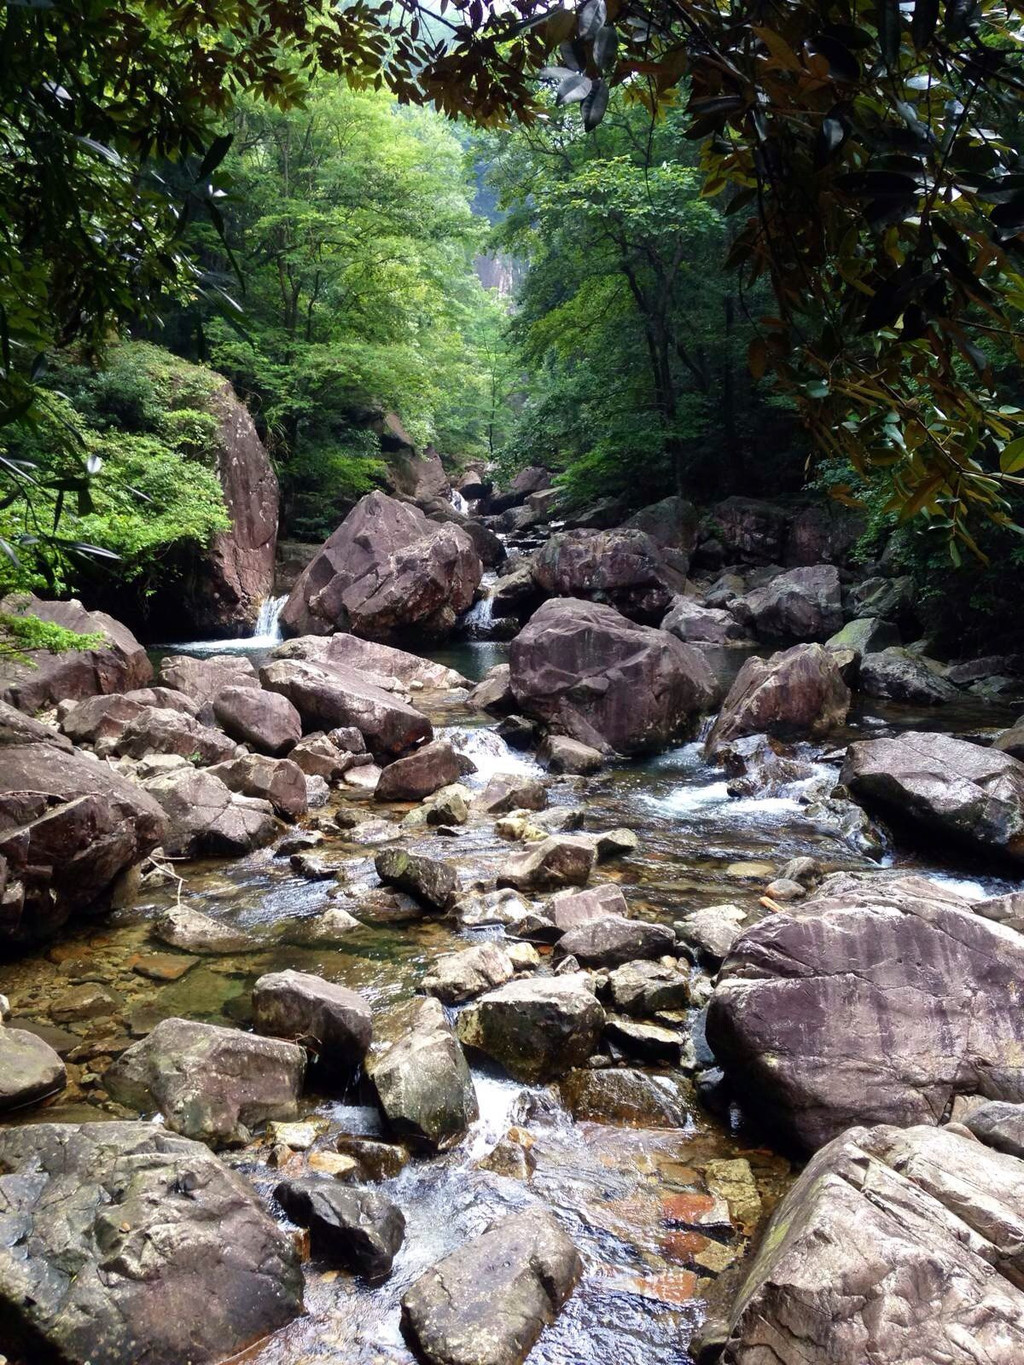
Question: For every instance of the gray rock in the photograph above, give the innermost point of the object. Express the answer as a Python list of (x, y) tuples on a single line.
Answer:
[(204, 679), (865, 635), (803, 604), (266, 720), (999, 1125), (505, 907), (562, 860), (536, 1028), (611, 941), (433, 884), (455, 977), (560, 754), (419, 1072), (628, 1098), (372, 657), (648, 1042), (209, 1083), (191, 930), (688, 621), (798, 693), (889, 1223), (644, 988), (332, 1021), (569, 909), (277, 780), (898, 675), (127, 1243), (507, 792), (358, 1229), (162, 730), (422, 773), (488, 1302), (29, 1069), (712, 930), (206, 819)]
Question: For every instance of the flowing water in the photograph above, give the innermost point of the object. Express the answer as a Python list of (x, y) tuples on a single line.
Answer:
[(634, 1200)]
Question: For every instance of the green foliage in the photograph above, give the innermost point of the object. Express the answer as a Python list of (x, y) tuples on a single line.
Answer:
[(21, 634), (142, 421)]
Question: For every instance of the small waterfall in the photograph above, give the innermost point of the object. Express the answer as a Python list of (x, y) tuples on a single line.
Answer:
[(480, 618), (268, 621), (459, 502)]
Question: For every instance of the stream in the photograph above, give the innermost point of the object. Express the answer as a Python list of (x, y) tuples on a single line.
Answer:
[(634, 1201)]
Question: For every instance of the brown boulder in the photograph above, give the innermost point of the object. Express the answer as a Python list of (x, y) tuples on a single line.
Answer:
[(420, 774), (266, 720), (625, 568), (385, 571), (370, 657), (204, 818), (797, 693), (803, 604), (118, 664), (589, 673), (276, 780), (203, 679), (159, 730)]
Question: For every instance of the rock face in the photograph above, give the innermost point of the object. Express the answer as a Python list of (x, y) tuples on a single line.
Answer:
[(384, 572), (914, 1233), (672, 524), (29, 1069), (589, 673), (488, 1302), (803, 604), (625, 568), (877, 1004), (797, 693), (419, 1071), (898, 675), (359, 1229), (332, 1021), (142, 1246), (266, 720), (999, 1125), (326, 698), (237, 572), (420, 774), (209, 1083), (118, 664), (69, 826), (536, 1029), (370, 656), (942, 787), (204, 818)]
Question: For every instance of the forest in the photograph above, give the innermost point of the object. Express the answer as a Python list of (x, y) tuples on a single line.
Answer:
[(511, 682)]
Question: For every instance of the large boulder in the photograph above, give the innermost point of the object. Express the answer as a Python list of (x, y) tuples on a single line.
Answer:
[(876, 1002), (162, 730), (30, 1069), (672, 524), (265, 720), (612, 940), (488, 1302), (898, 675), (419, 1071), (942, 787), (625, 568), (361, 1230), (329, 697), (798, 693), (124, 1242), (69, 826), (370, 656), (204, 679), (748, 531), (209, 1083), (432, 883), (419, 774), (537, 1029), (893, 1246), (101, 720), (456, 977), (588, 672), (803, 604), (865, 635), (116, 663), (688, 621), (386, 571), (332, 1021), (561, 860), (277, 780), (205, 818)]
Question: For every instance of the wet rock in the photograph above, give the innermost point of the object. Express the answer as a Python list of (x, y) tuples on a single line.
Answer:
[(562, 860), (797, 693), (419, 1071), (559, 754), (358, 1229), (943, 787), (537, 1029), (206, 819), (644, 988), (386, 570), (591, 674), (648, 1042), (117, 663), (330, 1020), (162, 966), (614, 843), (803, 604), (488, 1302), (69, 828), (633, 1099), (493, 692), (377, 1160), (507, 792), (209, 1083), (865, 635), (433, 884), (898, 675), (759, 766), (141, 1246), (733, 1180), (30, 1069), (611, 941), (999, 1125), (449, 806), (624, 567), (318, 793), (265, 720), (907, 992), (455, 977), (315, 867), (277, 780), (511, 1156), (806, 871), (88, 1001), (783, 890), (204, 679), (160, 730), (517, 731), (332, 697), (331, 929), (504, 907), (420, 774), (890, 599), (515, 593), (889, 1222), (523, 956), (688, 621), (569, 909), (712, 930), (371, 657)]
